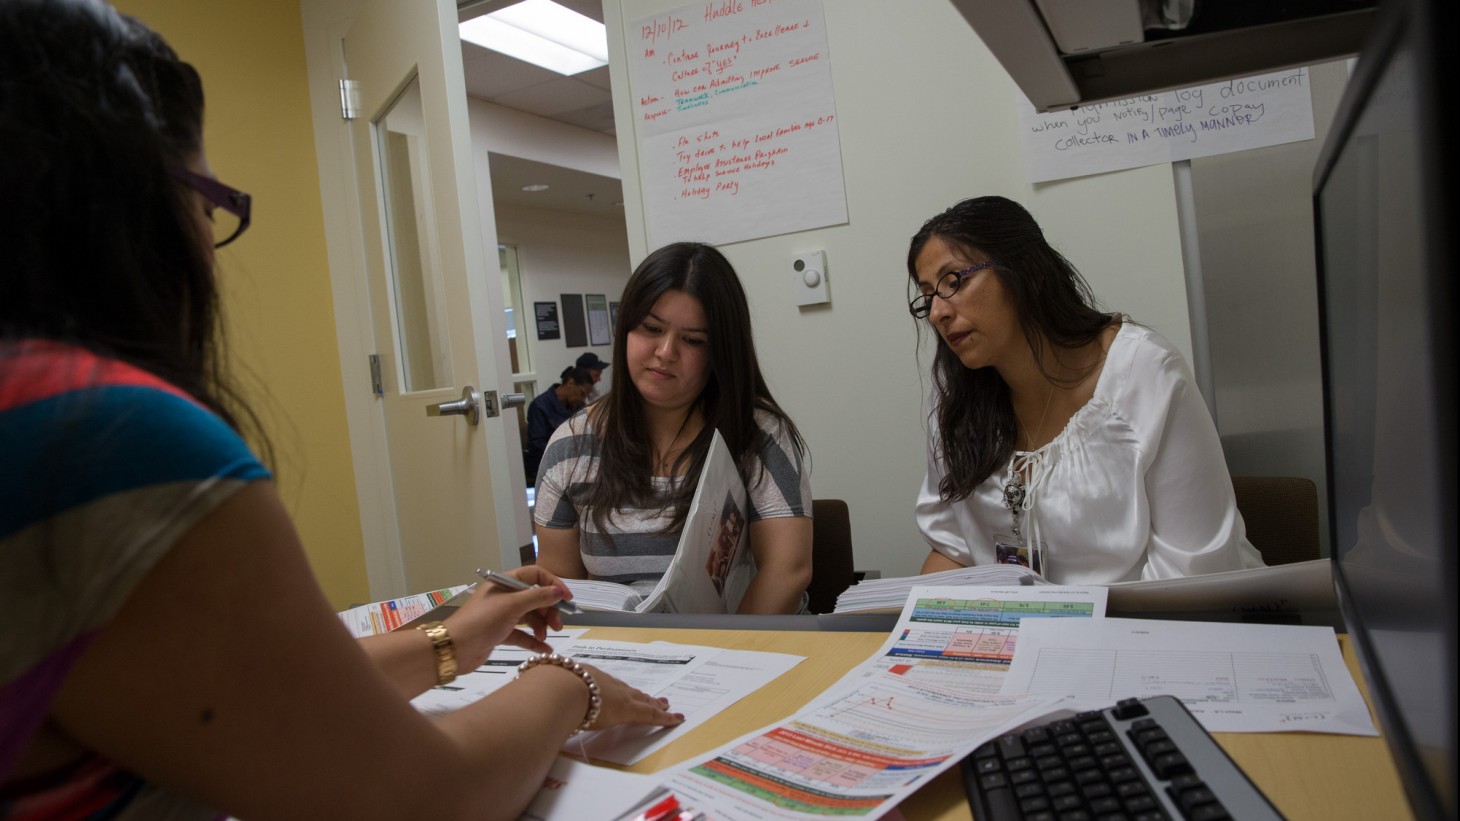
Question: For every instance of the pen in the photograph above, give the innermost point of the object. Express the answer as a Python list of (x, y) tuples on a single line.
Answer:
[(511, 583)]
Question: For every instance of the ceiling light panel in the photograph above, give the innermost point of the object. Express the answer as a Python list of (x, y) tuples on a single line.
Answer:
[(543, 33)]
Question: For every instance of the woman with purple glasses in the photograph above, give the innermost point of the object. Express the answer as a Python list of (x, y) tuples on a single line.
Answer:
[(1062, 438)]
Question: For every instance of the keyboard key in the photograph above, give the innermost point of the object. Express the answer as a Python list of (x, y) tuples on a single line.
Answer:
[(992, 780), (1122, 774), (1142, 803), (1209, 812), (1029, 791), (1114, 761), (1033, 803), (1132, 790), (1035, 735), (1129, 708), (1059, 789), (1010, 746), (1169, 765), (1156, 749), (1066, 803)]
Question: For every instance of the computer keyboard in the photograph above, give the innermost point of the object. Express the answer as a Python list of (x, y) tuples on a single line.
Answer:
[(1142, 759)]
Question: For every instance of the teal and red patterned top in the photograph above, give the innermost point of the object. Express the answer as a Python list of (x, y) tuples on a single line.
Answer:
[(103, 467)]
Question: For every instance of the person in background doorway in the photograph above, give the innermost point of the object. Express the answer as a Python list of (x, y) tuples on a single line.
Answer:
[(1060, 437), (550, 409), (168, 652), (595, 368), (616, 481)]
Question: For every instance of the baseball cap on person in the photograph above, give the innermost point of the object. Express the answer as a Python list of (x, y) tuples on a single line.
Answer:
[(591, 361)]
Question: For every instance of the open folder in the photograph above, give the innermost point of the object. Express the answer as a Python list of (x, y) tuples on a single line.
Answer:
[(712, 566)]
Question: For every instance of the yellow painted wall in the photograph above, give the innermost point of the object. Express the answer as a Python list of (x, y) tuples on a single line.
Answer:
[(276, 288)]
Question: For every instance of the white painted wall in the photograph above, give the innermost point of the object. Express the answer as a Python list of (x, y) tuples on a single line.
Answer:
[(518, 134), (1254, 215), (927, 117), (564, 253)]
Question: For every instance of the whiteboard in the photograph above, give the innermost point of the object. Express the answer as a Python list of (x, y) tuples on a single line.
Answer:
[(1201, 121), (735, 121)]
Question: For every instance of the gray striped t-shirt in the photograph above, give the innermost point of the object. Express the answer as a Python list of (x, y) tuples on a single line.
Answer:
[(633, 551)]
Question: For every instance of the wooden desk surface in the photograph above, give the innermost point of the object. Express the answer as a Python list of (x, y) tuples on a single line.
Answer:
[(1306, 775)]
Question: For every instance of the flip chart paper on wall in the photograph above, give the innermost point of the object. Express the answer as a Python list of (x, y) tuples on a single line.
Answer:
[(1202, 121), (735, 121)]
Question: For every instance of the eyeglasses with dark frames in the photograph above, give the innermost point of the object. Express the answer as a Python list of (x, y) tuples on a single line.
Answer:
[(947, 286), (233, 202)]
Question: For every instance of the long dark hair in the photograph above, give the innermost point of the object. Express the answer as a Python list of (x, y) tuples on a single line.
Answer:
[(1054, 305), (101, 249), (734, 391)]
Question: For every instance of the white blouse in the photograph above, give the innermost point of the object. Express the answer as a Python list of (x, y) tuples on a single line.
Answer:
[(1134, 487)]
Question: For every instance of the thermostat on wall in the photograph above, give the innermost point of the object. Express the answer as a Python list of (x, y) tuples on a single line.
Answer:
[(808, 278)]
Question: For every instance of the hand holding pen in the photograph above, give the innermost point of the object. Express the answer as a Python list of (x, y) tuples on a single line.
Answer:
[(513, 583)]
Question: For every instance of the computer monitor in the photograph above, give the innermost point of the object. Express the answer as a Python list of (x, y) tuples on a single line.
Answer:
[(1385, 209)]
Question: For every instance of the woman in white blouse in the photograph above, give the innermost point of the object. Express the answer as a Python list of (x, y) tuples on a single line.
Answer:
[(1060, 437)]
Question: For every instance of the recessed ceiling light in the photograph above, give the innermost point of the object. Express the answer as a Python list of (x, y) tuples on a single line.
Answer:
[(543, 33), (534, 187)]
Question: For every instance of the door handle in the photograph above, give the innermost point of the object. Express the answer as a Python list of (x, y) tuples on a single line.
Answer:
[(469, 405), (473, 401)]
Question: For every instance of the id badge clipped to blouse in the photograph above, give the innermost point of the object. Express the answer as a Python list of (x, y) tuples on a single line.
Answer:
[(1015, 548)]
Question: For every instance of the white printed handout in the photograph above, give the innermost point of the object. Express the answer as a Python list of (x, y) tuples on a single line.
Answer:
[(573, 789), (888, 595), (1234, 678), (852, 752), (964, 637), (712, 566), (700, 694), (384, 616), (500, 668)]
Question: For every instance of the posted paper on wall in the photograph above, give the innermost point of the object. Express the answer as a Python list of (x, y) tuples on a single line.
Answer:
[(735, 121), (1203, 121)]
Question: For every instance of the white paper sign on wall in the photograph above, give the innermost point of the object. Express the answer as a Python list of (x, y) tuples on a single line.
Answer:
[(735, 121), (1202, 121)]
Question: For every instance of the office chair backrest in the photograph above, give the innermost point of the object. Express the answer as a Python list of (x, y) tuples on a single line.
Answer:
[(1281, 513), (831, 554)]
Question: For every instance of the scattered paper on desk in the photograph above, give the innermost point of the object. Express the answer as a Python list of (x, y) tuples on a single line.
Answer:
[(384, 616), (854, 751), (499, 669), (699, 694), (887, 595), (573, 789), (964, 637), (1235, 678), (699, 682)]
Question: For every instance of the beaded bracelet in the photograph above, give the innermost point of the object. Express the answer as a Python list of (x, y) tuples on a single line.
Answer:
[(595, 700)]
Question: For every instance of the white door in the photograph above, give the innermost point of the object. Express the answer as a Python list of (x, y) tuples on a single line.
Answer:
[(435, 299)]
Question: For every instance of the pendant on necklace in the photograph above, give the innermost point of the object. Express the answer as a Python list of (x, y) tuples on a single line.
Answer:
[(1014, 493)]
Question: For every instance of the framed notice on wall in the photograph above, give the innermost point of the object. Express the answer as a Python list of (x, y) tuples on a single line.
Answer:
[(599, 330), (575, 332), (546, 314)]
